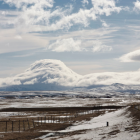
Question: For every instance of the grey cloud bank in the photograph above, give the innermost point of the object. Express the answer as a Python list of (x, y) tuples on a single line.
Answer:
[(131, 57)]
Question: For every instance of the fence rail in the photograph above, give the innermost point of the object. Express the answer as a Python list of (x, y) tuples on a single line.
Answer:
[(30, 123), (59, 108)]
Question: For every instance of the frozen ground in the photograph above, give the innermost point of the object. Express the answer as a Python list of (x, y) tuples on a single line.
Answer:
[(121, 125), (96, 128), (62, 102), (65, 102)]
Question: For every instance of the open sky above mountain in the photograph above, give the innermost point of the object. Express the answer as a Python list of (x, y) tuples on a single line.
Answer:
[(87, 35)]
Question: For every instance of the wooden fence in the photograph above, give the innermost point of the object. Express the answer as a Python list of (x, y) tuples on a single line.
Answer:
[(31, 123), (27, 124)]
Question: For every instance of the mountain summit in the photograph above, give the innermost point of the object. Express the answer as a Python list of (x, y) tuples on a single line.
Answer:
[(44, 74)]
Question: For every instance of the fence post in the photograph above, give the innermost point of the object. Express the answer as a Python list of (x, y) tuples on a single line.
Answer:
[(19, 126), (66, 117), (33, 123), (23, 125), (6, 126), (12, 126), (28, 124), (38, 121)]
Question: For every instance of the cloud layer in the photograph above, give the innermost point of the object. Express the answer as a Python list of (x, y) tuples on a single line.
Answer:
[(46, 16), (65, 45), (99, 47), (38, 15), (131, 57), (56, 73), (71, 45), (137, 5)]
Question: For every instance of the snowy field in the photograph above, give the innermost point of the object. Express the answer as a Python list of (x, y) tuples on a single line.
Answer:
[(121, 123), (66, 101), (96, 129)]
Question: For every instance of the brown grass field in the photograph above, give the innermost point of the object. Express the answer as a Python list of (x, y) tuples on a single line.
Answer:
[(30, 128)]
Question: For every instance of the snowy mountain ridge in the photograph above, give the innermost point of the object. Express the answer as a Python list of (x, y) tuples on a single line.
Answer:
[(51, 74)]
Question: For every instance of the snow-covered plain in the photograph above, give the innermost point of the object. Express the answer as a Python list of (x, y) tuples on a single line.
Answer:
[(42, 102), (96, 128), (64, 102), (113, 118)]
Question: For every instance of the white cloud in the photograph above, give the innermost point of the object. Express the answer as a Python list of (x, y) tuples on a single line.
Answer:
[(24, 3), (3, 13), (85, 2), (9, 81), (131, 57), (105, 7), (137, 5), (37, 13), (31, 82), (69, 44), (99, 47), (19, 42), (18, 37), (104, 24), (63, 45), (12, 42)]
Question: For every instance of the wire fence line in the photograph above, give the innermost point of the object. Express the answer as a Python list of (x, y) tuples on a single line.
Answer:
[(29, 123)]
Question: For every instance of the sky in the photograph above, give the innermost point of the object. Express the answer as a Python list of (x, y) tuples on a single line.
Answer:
[(89, 36)]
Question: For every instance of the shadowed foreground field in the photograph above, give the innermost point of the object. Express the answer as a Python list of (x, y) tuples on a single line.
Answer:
[(52, 119)]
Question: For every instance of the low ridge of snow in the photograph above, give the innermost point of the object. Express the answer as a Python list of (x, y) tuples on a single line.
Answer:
[(96, 129), (51, 74), (113, 118)]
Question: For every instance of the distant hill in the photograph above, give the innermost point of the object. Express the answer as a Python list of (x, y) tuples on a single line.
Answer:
[(51, 74)]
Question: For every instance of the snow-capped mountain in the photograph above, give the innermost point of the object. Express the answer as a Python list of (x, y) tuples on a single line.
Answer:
[(118, 88), (50, 74), (42, 75)]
